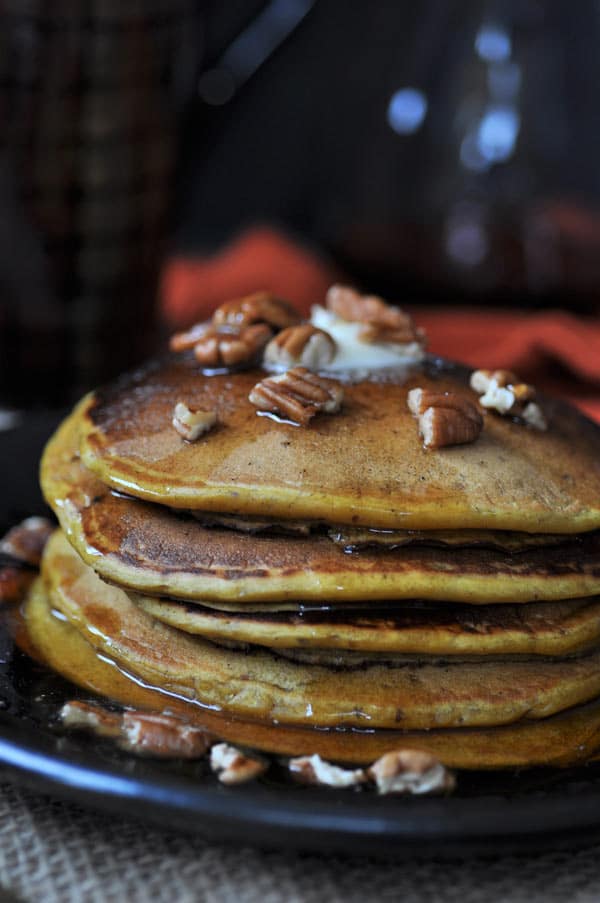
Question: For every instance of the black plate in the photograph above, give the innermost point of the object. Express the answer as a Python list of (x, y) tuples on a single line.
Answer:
[(489, 812)]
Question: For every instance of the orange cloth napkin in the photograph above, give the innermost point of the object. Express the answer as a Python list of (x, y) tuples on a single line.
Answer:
[(556, 351)]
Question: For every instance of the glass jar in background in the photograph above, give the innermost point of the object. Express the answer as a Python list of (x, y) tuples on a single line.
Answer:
[(90, 96), (490, 188)]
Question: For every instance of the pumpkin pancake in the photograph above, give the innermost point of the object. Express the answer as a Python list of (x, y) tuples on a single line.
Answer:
[(564, 739), (363, 466), (148, 548), (543, 628), (260, 685), (353, 538)]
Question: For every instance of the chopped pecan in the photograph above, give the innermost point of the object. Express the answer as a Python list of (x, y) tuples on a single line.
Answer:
[(297, 395), (191, 423), (91, 717), (233, 766), (260, 307), (382, 322), (143, 733), (444, 418), (228, 346), (304, 344), (185, 341), (25, 542), (163, 736), (504, 392), (315, 770), (410, 771), (533, 415), (15, 580)]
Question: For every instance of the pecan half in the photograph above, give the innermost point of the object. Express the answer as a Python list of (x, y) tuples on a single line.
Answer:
[(163, 736), (91, 717), (230, 347), (504, 392), (410, 771), (315, 770), (444, 418), (382, 322), (260, 307), (233, 766), (191, 423), (142, 733), (297, 395), (304, 344)]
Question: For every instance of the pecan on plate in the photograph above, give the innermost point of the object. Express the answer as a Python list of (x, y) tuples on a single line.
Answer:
[(304, 344), (504, 392), (142, 733), (315, 770), (230, 346), (191, 423), (25, 542), (233, 766), (444, 418), (410, 771), (297, 395), (382, 322), (260, 307)]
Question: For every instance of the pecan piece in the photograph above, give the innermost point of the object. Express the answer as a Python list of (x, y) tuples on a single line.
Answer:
[(444, 418), (260, 307), (504, 392), (382, 322), (410, 771), (91, 717), (297, 395), (304, 344), (15, 580), (143, 733), (315, 770), (229, 347), (185, 341), (163, 736), (191, 423), (25, 542), (233, 766)]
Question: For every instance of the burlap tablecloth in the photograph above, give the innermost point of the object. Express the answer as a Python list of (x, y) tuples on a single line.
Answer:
[(56, 852)]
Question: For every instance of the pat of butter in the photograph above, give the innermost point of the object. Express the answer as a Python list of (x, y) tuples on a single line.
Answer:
[(353, 354)]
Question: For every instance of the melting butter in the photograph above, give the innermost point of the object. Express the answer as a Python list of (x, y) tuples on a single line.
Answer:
[(363, 359)]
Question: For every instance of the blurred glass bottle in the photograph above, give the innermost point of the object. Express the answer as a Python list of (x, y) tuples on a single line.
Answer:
[(490, 189), (89, 97)]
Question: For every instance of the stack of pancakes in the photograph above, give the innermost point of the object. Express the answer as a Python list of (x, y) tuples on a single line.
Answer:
[(333, 588)]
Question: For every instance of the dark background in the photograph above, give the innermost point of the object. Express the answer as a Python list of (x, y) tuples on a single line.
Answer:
[(131, 132)]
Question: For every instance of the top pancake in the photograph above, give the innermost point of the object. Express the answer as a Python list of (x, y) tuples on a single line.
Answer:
[(363, 466)]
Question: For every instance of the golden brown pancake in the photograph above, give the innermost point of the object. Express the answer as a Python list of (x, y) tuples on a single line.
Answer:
[(353, 538), (364, 466), (262, 686), (565, 739), (148, 548), (417, 629)]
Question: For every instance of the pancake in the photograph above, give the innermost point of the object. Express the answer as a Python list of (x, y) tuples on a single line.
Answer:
[(148, 548), (260, 685), (352, 538), (364, 466), (563, 740), (355, 538), (417, 629)]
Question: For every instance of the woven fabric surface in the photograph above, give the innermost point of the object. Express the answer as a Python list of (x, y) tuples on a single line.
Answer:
[(58, 852)]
